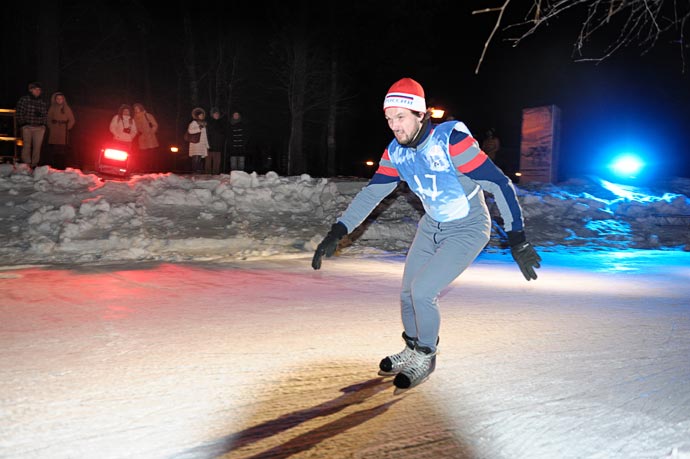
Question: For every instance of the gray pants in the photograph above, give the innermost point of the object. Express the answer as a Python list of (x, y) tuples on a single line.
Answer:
[(32, 137), (439, 253)]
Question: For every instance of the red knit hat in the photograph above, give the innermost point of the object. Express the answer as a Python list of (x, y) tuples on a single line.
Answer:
[(406, 93)]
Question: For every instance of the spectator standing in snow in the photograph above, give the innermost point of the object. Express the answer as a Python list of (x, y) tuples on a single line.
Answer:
[(444, 166), (60, 123), (123, 128), (238, 153), (32, 118), (198, 150), (147, 142), (216, 131), (491, 144)]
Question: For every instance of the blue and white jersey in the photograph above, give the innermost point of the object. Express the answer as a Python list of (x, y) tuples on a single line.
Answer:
[(446, 170), (430, 174)]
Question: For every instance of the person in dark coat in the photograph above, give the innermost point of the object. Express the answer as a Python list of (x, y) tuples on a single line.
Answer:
[(217, 133), (237, 130)]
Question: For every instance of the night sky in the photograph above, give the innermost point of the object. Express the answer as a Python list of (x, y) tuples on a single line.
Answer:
[(635, 99)]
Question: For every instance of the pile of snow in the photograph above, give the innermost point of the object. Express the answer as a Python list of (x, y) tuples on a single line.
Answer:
[(51, 216)]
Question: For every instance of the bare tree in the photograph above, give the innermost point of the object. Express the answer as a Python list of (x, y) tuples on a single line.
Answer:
[(332, 117), (223, 53), (302, 72), (232, 81), (190, 57), (642, 22), (48, 45), (296, 102)]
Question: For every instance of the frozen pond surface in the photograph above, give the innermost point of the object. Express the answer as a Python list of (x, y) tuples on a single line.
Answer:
[(270, 359)]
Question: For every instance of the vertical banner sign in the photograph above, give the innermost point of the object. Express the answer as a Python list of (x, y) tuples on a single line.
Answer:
[(540, 143)]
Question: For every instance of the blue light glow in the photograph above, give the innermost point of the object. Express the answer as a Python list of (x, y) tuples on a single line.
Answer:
[(627, 165)]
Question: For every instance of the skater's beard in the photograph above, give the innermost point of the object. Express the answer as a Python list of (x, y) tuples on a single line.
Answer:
[(413, 140)]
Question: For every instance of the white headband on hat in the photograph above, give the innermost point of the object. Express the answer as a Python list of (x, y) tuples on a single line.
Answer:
[(402, 100), (406, 93)]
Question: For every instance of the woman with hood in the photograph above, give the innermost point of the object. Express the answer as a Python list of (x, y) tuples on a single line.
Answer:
[(60, 123), (147, 126), (198, 150), (122, 127)]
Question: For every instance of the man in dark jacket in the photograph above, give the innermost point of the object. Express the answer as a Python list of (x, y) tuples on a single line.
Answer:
[(32, 119), (216, 130)]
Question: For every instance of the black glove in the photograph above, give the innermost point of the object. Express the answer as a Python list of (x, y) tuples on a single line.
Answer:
[(329, 244), (524, 254)]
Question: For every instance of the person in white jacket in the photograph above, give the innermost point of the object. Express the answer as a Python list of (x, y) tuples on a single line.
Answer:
[(198, 150), (123, 128)]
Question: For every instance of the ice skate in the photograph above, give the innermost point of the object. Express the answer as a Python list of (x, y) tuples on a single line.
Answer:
[(393, 364), (418, 368)]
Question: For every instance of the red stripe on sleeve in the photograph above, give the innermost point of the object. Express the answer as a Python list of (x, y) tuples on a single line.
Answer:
[(389, 171), (475, 163), (461, 146)]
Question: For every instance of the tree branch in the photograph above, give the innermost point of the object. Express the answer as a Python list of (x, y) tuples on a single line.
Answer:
[(501, 10), (640, 21)]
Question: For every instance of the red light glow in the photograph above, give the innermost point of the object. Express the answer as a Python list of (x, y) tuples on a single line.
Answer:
[(117, 155)]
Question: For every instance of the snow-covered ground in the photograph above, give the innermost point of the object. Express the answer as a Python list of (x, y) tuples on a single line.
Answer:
[(178, 317), (69, 217)]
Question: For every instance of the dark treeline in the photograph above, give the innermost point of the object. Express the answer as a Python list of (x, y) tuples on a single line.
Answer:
[(293, 69), (309, 77)]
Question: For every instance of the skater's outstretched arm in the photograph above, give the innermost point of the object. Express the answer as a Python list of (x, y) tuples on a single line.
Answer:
[(361, 206)]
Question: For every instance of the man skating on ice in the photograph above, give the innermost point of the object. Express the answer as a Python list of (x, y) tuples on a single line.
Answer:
[(444, 166)]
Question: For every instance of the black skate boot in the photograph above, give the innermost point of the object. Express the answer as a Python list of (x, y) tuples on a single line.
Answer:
[(418, 368), (392, 365)]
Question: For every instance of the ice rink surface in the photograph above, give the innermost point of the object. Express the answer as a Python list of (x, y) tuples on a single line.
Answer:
[(270, 359)]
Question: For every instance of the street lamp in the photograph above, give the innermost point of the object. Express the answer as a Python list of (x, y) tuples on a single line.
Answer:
[(437, 113)]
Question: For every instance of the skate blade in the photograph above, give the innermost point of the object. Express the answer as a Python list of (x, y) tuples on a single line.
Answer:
[(387, 373), (401, 390)]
